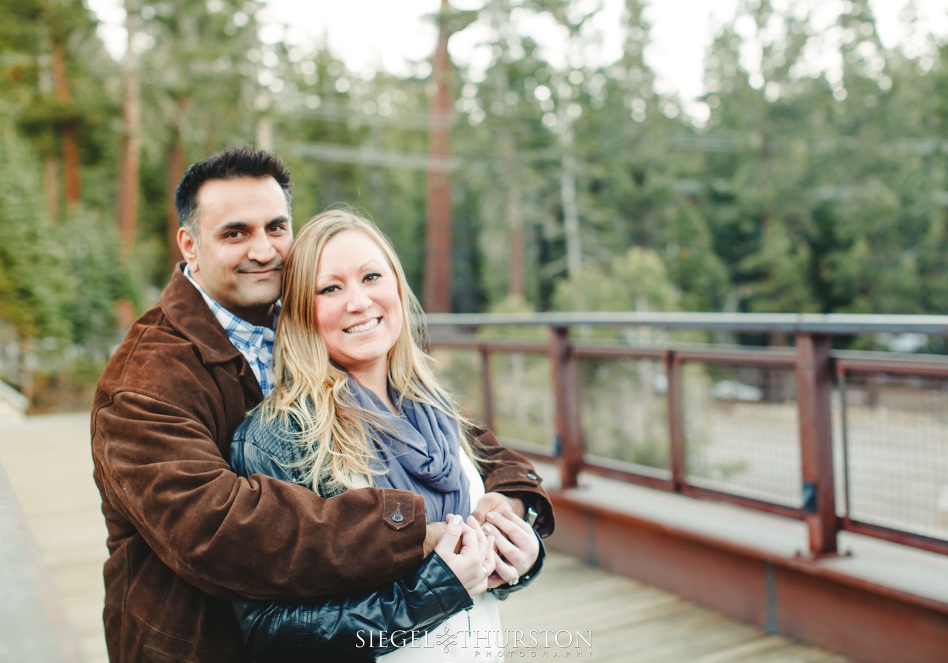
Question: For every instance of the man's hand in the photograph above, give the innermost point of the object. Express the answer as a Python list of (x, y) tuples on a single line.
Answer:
[(496, 502), (501, 504), (434, 532)]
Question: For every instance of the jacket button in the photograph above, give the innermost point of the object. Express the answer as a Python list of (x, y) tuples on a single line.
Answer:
[(532, 476), (397, 517)]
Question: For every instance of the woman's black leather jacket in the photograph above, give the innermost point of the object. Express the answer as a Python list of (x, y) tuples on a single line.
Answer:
[(339, 629), (342, 629), (353, 628)]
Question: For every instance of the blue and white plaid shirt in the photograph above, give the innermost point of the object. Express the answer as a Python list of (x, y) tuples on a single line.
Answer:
[(255, 343)]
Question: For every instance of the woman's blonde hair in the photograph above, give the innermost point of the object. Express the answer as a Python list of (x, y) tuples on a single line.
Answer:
[(311, 396)]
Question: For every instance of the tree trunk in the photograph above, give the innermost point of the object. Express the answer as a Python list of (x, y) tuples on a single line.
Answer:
[(438, 238), (69, 139), (174, 173), (515, 287), (265, 133), (131, 140), (51, 185), (574, 251)]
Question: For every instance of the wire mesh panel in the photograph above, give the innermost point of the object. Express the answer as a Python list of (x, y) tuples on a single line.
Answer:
[(742, 431), (624, 410), (896, 446), (459, 371), (523, 400), (521, 395)]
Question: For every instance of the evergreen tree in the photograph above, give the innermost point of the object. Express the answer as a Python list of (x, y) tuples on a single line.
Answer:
[(33, 287), (634, 281)]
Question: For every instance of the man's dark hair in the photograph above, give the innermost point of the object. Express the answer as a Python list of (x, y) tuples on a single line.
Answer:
[(230, 164)]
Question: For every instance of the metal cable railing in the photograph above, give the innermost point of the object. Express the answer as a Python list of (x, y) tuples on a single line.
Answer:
[(841, 440)]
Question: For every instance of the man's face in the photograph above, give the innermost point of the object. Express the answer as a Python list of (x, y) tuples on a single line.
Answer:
[(244, 237)]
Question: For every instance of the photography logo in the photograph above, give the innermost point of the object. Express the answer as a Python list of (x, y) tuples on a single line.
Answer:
[(487, 645)]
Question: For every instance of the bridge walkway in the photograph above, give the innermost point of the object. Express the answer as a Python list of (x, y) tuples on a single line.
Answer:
[(571, 612)]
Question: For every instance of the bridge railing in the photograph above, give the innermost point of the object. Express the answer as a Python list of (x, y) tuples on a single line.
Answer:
[(842, 440)]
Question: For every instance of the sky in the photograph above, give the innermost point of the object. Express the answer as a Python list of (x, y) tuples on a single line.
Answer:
[(390, 35)]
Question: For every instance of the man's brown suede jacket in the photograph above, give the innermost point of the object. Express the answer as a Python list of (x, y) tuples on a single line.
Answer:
[(186, 534)]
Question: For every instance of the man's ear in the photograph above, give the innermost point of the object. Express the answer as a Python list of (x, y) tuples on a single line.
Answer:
[(187, 244)]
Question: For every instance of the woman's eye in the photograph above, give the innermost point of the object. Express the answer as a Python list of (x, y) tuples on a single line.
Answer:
[(374, 276), (329, 289)]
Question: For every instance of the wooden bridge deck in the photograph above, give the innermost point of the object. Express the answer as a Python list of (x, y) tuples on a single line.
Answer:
[(572, 611)]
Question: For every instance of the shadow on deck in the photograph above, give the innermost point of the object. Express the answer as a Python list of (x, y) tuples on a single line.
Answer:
[(571, 612)]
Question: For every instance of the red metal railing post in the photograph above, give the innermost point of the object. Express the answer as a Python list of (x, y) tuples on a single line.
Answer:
[(814, 392), (569, 444), (677, 463), (487, 399)]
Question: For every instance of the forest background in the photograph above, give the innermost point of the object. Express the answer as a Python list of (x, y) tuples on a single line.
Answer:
[(576, 185)]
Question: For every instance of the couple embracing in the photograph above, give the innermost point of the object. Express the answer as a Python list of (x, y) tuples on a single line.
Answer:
[(282, 475)]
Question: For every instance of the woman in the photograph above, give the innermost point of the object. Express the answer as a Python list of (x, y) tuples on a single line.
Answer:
[(357, 404)]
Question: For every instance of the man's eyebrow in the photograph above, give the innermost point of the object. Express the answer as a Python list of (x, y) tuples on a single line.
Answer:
[(232, 225), (237, 224)]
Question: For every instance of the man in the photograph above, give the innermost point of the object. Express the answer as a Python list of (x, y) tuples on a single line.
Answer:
[(187, 535)]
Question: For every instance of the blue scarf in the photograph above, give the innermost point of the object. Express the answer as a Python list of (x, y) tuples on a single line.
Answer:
[(419, 451)]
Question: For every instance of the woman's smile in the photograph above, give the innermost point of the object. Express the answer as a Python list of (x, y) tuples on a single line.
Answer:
[(363, 326)]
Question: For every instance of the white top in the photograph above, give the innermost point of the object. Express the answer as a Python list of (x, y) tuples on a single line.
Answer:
[(469, 636)]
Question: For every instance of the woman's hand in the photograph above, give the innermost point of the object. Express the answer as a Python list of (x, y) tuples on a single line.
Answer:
[(475, 561), (499, 503), (516, 545)]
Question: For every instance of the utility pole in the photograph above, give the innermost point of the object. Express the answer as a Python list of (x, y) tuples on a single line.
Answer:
[(438, 269), (500, 24)]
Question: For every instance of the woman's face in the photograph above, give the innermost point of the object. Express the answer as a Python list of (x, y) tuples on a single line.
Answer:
[(358, 310)]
